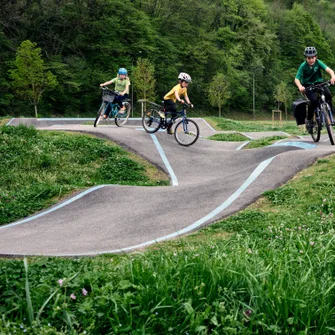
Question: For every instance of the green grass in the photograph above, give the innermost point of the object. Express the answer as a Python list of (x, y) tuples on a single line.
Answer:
[(235, 137), (40, 168), (264, 141), (269, 269), (254, 126), (232, 137)]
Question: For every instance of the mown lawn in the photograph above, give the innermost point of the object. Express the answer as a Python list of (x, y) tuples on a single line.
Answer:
[(266, 270)]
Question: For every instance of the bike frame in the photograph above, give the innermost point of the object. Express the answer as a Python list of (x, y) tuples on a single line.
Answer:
[(181, 114), (114, 109), (323, 113)]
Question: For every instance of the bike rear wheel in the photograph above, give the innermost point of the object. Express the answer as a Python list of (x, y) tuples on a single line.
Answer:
[(100, 114), (316, 134), (121, 118), (151, 121), (186, 132), (329, 127)]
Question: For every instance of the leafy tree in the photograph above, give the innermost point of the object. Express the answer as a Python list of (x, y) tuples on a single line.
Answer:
[(283, 95), (30, 77), (218, 91), (143, 78)]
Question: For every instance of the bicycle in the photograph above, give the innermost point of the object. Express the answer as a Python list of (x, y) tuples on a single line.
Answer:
[(120, 117), (186, 131), (323, 115)]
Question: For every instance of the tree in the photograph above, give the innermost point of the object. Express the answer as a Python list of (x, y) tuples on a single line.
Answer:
[(283, 95), (30, 77), (218, 91), (143, 78)]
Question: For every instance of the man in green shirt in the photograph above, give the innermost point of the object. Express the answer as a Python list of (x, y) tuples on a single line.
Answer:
[(309, 73)]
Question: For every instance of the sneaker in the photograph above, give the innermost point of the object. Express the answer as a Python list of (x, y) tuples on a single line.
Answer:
[(162, 115), (169, 129), (309, 126)]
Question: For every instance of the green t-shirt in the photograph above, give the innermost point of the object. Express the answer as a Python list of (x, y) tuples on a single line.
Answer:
[(309, 75), (120, 85)]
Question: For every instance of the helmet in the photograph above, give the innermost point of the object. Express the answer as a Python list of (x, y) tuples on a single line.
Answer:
[(310, 52), (122, 70), (185, 77)]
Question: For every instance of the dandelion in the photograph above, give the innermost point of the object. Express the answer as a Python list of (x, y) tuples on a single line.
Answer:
[(84, 292), (60, 282), (73, 297)]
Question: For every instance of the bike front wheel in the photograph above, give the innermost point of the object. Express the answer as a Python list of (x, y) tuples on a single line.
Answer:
[(328, 123), (100, 114), (316, 127), (151, 120), (186, 132), (121, 117)]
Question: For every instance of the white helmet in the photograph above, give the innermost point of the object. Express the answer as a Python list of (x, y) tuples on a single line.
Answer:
[(185, 77)]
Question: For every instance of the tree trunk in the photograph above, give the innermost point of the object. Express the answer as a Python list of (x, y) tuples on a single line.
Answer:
[(35, 107)]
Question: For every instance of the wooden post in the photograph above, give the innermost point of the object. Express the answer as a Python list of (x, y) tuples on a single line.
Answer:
[(142, 101), (280, 117)]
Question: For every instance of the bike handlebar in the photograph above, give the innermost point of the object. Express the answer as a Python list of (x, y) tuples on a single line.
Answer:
[(318, 86), (105, 88)]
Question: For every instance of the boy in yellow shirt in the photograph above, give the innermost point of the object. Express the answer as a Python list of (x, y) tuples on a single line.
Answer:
[(174, 95)]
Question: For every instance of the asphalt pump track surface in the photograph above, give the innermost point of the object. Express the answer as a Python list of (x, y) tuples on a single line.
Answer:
[(210, 180)]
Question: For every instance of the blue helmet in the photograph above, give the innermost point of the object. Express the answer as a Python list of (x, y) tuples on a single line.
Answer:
[(122, 70)]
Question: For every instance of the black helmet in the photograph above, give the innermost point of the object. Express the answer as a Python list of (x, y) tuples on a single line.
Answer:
[(310, 52)]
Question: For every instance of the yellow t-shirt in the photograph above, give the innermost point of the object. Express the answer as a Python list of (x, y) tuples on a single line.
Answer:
[(182, 91)]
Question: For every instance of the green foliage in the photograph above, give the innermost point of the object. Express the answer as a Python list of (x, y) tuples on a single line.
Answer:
[(144, 81), (218, 91), (84, 43), (30, 78), (283, 95)]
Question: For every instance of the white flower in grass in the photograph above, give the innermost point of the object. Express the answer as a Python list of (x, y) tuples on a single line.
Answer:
[(60, 282), (72, 296), (311, 243), (84, 292), (301, 251)]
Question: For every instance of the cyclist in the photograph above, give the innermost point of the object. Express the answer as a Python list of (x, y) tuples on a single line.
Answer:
[(174, 95), (309, 73), (122, 84)]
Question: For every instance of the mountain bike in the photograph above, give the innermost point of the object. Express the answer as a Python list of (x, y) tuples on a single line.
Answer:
[(120, 117), (323, 114), (186, 131)]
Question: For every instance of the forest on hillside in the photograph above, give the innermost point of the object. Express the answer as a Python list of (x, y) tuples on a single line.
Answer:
[(84, 42)]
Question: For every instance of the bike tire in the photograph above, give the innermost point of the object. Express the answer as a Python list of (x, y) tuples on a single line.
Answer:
[(328, 123), (151, 120), (316, 128), (186, 132), (122, 118), (100, 113)]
